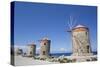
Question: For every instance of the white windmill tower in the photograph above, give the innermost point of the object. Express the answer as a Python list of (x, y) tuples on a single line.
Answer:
[(80, 38)]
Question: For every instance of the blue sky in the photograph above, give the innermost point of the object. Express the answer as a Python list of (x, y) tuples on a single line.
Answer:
[(33, 21)]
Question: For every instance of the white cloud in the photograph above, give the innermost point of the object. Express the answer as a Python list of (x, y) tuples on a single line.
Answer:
[(22, 47), (63, 49), (57, 50), (38, 48)]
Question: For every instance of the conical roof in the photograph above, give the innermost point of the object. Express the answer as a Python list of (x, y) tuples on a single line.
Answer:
[(78, 26), (45, 38)]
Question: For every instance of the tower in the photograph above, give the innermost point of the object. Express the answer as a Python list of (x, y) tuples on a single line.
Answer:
[(18, 51), (31, 50), (44, 48), (80, 41)]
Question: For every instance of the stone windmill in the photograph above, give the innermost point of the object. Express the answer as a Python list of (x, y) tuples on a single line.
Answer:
[(80, 38), (31, 50), (45, 48)]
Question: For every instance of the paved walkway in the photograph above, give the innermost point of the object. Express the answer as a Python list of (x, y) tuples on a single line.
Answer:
[(22, 61)]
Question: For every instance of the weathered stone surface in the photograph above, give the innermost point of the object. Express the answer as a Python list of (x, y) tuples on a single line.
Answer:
[(44, 48), (81, 41), (31, 50)]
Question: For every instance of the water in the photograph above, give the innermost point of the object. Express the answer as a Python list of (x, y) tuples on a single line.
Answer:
[(65, 54), (60, 54)]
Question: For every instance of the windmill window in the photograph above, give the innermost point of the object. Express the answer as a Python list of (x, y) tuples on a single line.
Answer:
[(88, 48), (86, 33), (44, 43), (30, 52), (43, 52)]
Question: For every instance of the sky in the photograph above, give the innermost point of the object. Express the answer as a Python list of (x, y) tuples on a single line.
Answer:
[(34, 21)]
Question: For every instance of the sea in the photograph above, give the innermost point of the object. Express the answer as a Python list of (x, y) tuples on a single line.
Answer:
[(65, 54)]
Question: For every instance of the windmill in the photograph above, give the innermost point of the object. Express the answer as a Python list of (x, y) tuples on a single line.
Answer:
[(79, 36), (71, 23), (45, 47)]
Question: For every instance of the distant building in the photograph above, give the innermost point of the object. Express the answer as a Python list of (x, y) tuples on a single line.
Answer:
[(45, 48), (18, 51), (31, 50), (81, 41)]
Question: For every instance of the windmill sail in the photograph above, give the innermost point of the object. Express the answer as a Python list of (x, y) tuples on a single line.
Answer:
[(71, 22)]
